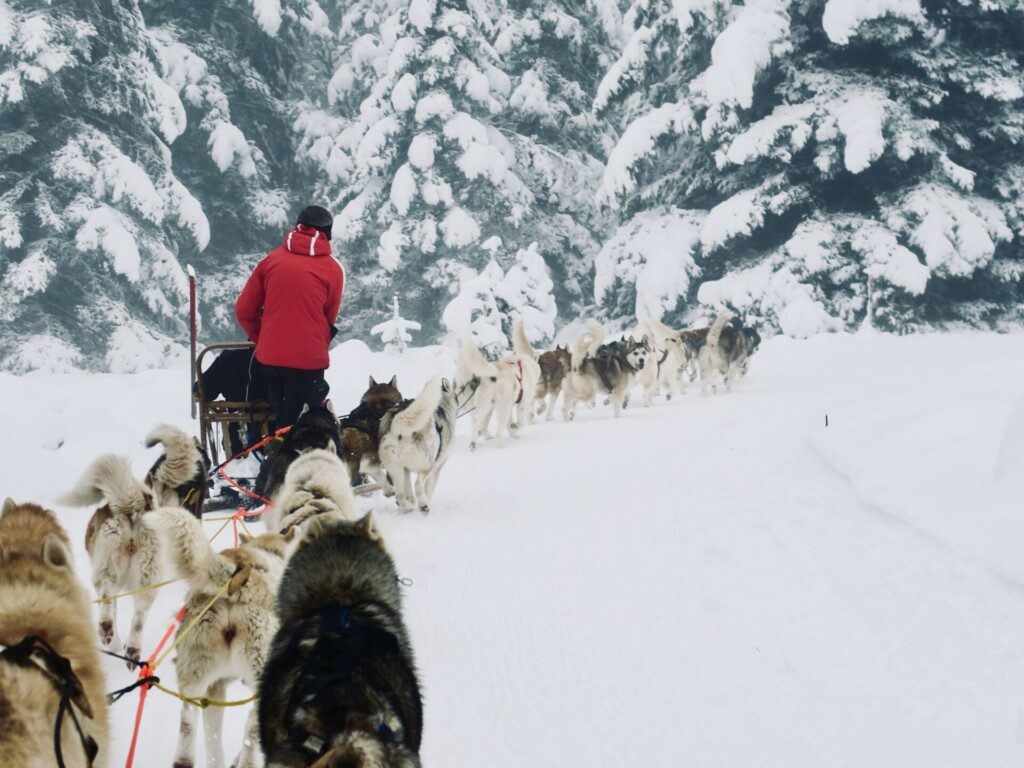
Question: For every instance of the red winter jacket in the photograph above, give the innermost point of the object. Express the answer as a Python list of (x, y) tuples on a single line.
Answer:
[(291, 300)]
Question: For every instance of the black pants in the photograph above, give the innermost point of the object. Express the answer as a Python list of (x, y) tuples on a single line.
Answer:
[(290, 389)]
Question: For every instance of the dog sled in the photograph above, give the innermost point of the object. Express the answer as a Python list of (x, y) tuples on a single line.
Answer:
[(216, 417)]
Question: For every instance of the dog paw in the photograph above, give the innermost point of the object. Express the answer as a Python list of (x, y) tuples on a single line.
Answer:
[(472, 446), (183, 764), (425, 509), (135, 655), (106, 632)]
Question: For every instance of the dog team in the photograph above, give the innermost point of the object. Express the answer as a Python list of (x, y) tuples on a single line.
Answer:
[(311, 609)]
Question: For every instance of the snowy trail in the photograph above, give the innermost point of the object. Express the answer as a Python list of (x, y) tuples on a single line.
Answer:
[(714, 581)]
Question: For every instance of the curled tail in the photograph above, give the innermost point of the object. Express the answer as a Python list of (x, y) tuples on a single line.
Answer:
[(715, 332), (472, 363), (660, 330), (186, 548), (587, 343), (180, 459), (520, 343), (419, 414), (108, 479)]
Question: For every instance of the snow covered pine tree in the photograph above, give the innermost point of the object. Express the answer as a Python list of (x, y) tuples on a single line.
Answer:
[(91, 213), (394, 333), (819, 160), (435, 144)]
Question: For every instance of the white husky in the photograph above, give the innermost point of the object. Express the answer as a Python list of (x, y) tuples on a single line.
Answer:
[(663, 370), (419, 439), (232, 640), (123, 551), (713, 364), (317, 483), (506, 389)]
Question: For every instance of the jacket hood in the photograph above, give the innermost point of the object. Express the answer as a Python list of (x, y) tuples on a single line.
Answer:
[(307, 241)]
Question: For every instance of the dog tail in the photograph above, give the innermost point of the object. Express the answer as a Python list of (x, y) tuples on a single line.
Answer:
[(186, 548), (419, 414), (716, 329), (472, 363), (109, 478), (181, 455), (587, 342), (661, 330), (317, 474), (520, 343)]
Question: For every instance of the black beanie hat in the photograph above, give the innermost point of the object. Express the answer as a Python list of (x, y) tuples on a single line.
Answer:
[(320, 218)]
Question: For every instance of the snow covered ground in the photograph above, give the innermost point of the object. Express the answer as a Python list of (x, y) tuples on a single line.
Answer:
[(709, 582)]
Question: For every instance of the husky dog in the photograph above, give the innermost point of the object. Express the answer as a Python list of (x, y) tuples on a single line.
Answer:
[(607, 369), (524, 360), (123, 551), (316, 427), (419, 439), (317, 483), (554, 367), (178, 478), (495, 389), (662, 371), (340, 686), (232, 640), (41, 598), (360, 430), (727, 352)]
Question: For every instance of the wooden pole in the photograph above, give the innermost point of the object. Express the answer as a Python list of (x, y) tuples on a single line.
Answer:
[(193, 333)]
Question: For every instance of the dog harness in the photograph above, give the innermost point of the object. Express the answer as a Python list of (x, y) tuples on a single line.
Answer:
[(34, 652)]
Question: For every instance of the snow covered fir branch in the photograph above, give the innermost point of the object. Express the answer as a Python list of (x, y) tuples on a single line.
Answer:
[(810, 165)]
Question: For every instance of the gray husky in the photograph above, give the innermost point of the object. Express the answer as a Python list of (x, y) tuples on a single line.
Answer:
[(419, 439), (339, 689), (605, 369)]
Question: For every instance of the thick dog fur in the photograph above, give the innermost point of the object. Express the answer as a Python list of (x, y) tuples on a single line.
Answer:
[(554, 367), (726, 352), (315, 428), (419, 439), (40, 596), (317, 483), (233, 638), (123, 552), (496, 388), (662, 369), (605, 369), (178, 478), (339, 689), (360, 430)]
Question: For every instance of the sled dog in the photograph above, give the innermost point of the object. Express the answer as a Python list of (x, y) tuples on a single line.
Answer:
[(340, 686), (726, 353), (607, 369), (419, 439), (524, 360), (46, 641), (360, 430), (316, 427), (554, 367), (232, 639), (662, 371), (178, 478), (317, 483), (124, 553), (495, 388)]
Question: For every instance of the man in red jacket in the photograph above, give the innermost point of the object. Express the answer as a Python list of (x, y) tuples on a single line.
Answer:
[(288, 307)]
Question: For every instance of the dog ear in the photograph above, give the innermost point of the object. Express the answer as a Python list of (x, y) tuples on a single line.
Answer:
[(329, 405), (304, 411), (289, 535), (56, 553), (394, 381), (245, 538), (239, 580), (9, 505), (446, 386), (373, 381), (366, 527), (331, 447)]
